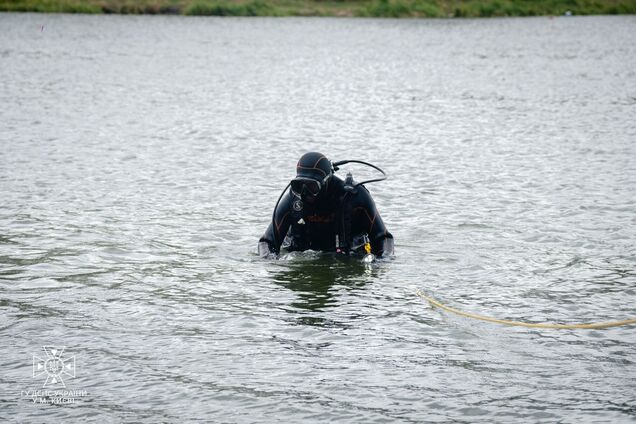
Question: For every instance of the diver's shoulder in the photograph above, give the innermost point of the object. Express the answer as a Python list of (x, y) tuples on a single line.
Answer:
[(362, 197), (362, 192)]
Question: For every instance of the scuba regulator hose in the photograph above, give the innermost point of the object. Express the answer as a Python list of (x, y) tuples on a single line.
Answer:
[(335, 167), (274, 213)]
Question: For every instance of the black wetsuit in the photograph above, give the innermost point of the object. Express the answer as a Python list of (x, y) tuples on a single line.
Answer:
[(314, 225)]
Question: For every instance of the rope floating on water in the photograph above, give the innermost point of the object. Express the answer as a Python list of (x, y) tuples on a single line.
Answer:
[(597, 325)]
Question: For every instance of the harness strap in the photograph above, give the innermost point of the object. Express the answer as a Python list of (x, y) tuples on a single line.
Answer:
[(345, 237)]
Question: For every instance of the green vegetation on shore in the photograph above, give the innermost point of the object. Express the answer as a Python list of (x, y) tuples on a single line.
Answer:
[(365, 8)]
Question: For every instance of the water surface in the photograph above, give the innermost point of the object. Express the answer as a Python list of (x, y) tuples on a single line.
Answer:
[(141, 158)]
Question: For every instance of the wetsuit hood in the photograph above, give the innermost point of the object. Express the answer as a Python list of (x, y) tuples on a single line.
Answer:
[(315, 166)]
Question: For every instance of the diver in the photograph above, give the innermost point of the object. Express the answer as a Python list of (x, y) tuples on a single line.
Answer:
[(325, 213)]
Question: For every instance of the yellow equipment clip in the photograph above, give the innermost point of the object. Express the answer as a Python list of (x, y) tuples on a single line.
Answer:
[(367, 245)]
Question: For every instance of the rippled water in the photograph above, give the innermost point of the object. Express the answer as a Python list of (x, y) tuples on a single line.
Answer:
[(141, 159)]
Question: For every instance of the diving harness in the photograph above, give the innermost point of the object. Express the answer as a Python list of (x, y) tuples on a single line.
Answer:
[(345, 243)]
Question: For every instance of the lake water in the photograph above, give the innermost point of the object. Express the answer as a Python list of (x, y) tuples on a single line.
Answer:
[(140, 161)]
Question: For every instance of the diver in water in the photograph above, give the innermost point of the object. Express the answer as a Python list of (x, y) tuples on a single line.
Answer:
[(322, 212)]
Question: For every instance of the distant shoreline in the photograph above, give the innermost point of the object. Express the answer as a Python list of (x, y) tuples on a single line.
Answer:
[(345, 8)]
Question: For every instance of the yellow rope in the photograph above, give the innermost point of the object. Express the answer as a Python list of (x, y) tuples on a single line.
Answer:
[(597, 325)]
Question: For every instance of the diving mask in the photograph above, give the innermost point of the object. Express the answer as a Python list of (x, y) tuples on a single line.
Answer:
[(303, 186)]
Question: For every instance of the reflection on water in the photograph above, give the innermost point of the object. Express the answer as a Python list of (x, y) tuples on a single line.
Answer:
[(316, 279)]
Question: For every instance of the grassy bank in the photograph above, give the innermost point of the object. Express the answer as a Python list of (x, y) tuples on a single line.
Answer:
[(365, 8)]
